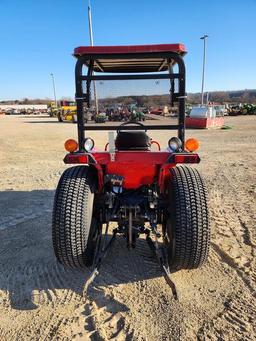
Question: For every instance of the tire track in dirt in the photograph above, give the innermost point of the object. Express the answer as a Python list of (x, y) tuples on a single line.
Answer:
[(22, 206), (235, 322), (126, 302), (38, 177), (108, 316), (129, 309), (15, 220), (38, 285), (233, 237), (129, 300), (53, 302), (231, 262), (41, 284), (234, 242)]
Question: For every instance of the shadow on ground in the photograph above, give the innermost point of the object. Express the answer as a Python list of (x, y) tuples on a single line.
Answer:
[(30, 273)]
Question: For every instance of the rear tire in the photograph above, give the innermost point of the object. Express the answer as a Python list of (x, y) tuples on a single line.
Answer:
[(187, 227), (74, 228)]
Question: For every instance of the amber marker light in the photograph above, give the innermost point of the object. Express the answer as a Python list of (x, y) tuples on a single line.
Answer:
[(192, 145), (71, 145)]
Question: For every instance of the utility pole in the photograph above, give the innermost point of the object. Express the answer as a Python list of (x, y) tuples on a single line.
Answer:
[(54, 90), (92, 43), (204, 38)]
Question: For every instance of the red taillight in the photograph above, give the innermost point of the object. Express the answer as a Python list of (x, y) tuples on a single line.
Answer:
[(76, 158), (184, 158)]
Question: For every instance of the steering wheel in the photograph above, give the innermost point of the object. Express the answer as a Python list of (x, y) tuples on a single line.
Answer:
[(131, 122)]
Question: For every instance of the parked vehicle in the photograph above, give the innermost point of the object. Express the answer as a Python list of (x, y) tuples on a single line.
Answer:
[(9, 111), (67, 111), (143, 191), (203, 111), (137, 116), (221, 110), (100, 118), (249, 109), (242, 109)]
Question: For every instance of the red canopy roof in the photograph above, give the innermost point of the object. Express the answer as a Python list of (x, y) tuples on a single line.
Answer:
[(131, 63), (83, 50)]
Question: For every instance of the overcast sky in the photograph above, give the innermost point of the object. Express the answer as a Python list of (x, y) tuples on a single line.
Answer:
[(38, 37)]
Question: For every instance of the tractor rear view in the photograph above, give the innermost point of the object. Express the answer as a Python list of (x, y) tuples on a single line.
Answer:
[(143, 191)]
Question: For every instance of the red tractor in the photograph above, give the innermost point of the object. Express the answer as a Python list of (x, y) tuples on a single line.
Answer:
[(141, 190)]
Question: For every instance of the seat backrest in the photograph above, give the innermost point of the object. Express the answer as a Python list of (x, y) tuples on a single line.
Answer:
[(132, 140)]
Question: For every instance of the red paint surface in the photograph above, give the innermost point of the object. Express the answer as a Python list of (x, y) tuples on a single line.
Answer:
[(135, 175), (204, 123), (133, 157), (83, 50), (138, 168)]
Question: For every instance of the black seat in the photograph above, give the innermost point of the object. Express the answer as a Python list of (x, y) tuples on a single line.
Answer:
[(132, 140)]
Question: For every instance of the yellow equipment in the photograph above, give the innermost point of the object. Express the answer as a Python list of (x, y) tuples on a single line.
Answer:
[(67, 111)]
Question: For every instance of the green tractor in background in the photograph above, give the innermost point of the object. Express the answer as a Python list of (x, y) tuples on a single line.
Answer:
[(137, 116), (249, 109)]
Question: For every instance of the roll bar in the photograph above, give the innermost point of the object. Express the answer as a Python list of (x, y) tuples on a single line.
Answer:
[(85, 97)]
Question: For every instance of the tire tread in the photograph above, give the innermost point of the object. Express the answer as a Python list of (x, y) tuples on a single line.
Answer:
[(189, 219), (72, 216)]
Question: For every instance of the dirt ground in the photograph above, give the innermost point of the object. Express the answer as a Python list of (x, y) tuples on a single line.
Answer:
[(129, 299)]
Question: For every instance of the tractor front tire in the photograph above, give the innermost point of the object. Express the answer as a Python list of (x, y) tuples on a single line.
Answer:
[(74, 228), (187, 227)]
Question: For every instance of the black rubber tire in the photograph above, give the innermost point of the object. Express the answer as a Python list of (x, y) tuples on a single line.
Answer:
[(187, 226), (60, 118), (74, 228)]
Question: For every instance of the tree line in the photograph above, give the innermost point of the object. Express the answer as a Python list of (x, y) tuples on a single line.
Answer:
[(234, 97)]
